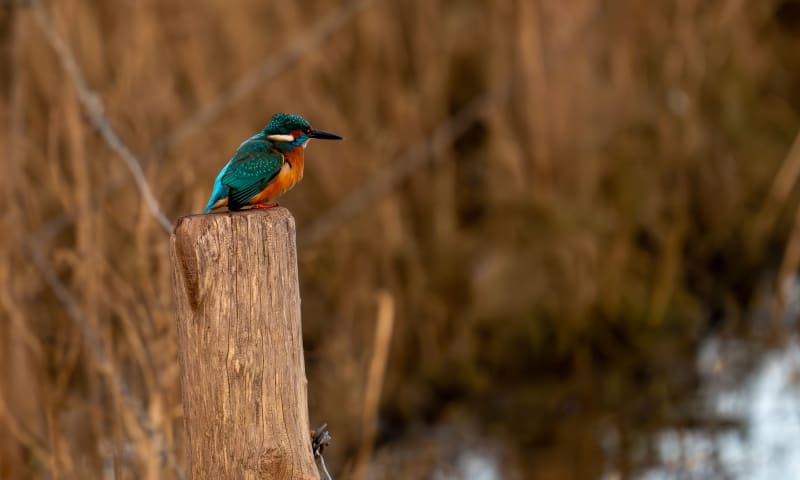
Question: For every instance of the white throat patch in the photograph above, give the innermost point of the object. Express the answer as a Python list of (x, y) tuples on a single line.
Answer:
[(280, 138)]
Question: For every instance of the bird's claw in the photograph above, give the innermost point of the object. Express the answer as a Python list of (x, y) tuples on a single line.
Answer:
[(264, 205)]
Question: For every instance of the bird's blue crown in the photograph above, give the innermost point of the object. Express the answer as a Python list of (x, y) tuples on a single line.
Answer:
[(284, 123)]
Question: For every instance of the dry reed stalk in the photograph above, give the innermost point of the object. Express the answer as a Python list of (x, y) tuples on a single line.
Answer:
[(93, 107), (21, 427), (788, 267), (785, 180), (668, 270), (377, 370), (25, 437), (132, 408)]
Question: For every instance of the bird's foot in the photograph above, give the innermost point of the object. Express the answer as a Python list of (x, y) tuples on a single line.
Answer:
[(264, 205)]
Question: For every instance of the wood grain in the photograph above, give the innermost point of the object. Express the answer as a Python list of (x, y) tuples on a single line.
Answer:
[(240, 346)]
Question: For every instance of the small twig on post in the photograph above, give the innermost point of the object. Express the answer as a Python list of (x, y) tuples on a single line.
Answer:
[(320, 440), (240, 346)]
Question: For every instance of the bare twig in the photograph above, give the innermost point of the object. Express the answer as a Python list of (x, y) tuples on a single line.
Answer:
[(387, 179), (93, 108), (270, 68), (322, 438), (325, 468)]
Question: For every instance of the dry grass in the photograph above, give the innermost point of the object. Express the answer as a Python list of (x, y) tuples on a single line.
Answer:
[(621, 186)]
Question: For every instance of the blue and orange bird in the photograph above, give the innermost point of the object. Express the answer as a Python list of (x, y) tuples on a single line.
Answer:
[(265, 165)]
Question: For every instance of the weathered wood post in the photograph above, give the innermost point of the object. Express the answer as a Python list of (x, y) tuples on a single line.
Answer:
[(240, 346)]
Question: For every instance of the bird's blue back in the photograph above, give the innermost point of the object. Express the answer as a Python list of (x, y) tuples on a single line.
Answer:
[(252, 167)]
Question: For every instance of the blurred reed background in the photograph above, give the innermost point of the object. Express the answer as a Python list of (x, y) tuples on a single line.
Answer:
[(552, 255)]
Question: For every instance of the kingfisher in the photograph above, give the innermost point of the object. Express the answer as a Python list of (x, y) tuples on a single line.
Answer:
[(265, 165)]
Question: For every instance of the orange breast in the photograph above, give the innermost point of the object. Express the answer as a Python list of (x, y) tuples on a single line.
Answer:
[(290, 174)]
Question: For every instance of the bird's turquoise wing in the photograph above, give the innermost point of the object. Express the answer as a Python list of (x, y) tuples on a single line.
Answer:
[(250, 171)]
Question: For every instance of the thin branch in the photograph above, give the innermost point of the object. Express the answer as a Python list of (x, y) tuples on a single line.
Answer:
[(388, 178), (325, 468), (93, 107), (270, 68)]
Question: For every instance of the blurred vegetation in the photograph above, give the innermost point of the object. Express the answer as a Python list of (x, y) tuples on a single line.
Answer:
[(554, 268)]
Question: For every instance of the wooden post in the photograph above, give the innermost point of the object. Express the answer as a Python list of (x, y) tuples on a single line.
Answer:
[(240, 346)]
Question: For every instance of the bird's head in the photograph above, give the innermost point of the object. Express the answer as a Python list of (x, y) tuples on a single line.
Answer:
[(290, 131)]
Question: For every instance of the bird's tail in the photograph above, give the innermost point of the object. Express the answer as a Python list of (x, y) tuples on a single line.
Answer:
[(220, 191), (211, 204), (219, 194)]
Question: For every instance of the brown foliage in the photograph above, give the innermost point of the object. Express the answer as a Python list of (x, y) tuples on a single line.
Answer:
[(620, 190)]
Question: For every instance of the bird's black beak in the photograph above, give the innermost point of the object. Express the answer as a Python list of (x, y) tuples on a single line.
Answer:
[(324, 135)]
